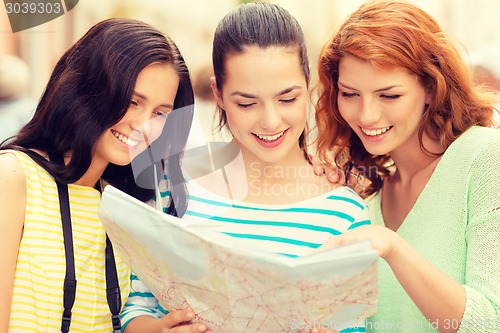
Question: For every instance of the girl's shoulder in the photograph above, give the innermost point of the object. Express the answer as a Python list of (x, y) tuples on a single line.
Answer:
[(476, 142), (483, 136), (12, 176), (19, 164), (11, 164)]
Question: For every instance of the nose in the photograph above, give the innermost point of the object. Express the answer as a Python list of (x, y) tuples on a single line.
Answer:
[(369, 113), (271, 118), (142, 124)]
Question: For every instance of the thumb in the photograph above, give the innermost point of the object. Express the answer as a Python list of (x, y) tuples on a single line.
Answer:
[(334, 241), (175, 318)]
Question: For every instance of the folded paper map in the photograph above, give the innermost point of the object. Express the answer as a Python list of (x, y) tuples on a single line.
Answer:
[(232, 287)]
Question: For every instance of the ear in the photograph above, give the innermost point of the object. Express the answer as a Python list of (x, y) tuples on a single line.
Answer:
[(216, 92), (429, 96)]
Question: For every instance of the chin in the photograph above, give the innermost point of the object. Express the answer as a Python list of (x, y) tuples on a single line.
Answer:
[(121, 162), (376, 151), (273, 158)]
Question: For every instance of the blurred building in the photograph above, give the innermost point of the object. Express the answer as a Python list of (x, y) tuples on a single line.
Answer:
[(191, 24), (16, 106)]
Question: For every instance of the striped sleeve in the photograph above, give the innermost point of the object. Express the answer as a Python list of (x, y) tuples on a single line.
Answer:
[(363, 216), (141, 302)]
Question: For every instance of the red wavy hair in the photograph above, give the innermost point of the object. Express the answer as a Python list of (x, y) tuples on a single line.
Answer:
[(396, 34)]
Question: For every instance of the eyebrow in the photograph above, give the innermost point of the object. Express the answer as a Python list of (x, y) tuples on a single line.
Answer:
[(283, 92), (170, 106), (378, 90)]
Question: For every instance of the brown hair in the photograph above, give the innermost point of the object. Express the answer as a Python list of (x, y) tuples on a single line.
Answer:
[(396, 34), (256, 24)]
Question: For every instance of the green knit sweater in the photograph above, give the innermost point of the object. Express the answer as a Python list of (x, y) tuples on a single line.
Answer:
[(455, 224)]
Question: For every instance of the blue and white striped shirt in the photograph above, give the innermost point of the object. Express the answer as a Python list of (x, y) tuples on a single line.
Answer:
[(293, 230)]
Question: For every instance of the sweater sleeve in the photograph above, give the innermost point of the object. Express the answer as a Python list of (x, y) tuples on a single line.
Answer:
[(140, 302), (482, 286)]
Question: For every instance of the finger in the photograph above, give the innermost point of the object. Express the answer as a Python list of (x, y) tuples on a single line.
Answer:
[(319, 170), (318, 167), (175, 318), (342, 176), (333, 176), (191, 328)]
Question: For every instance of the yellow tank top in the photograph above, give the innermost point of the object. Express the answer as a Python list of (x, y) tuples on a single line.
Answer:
[(37, 301)]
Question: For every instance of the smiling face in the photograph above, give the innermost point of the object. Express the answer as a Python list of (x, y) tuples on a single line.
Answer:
[(153, 98), (264, 95), (384, 107)]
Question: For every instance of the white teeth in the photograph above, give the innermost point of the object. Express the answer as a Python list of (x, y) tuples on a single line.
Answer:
[(130, 142), (270, 137), (375, 132)]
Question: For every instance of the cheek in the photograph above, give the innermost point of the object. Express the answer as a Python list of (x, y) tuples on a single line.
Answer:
[(157, 125), (303, 111), (237, 121), (344, 110), (298, 116)]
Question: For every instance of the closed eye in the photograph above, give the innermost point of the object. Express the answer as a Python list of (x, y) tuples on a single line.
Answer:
[(346, 94), (245, 105), (290, 100), (390, 96), (161, 113), (133, 103)]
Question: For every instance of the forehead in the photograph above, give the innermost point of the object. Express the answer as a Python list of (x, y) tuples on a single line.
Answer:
[(158, 82), (352, 69), (267, 68)]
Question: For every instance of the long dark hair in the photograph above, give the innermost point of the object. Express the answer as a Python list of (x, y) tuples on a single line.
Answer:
[(256, 24), (90, 90)]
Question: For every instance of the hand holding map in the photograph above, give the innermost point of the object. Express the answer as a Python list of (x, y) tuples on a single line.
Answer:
[(233, 287)]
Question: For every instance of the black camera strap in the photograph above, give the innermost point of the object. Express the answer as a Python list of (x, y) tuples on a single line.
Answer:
[(112, 286)]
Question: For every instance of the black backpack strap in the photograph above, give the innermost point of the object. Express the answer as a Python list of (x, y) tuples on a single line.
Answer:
[(70, 278), (113, 295), (112, 286)]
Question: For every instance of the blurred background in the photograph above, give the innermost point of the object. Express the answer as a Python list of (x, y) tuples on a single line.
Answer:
[(474, 25)]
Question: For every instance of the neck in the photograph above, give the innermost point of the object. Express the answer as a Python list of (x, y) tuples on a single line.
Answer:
[(93, 174), (411, 162), (288, 169), (287, 181), (90, 177)]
